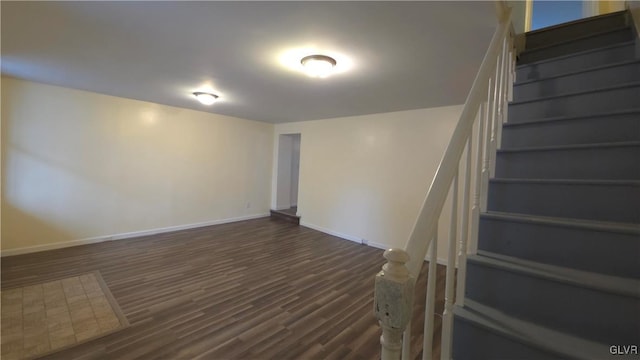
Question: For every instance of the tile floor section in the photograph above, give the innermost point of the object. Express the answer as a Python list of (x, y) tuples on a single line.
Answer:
[(41, 318)]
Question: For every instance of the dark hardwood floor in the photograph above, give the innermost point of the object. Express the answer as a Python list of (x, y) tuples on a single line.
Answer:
[(258, 289)]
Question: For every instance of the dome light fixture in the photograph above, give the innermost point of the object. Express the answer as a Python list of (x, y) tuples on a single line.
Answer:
[(319, 66), (205, 98)]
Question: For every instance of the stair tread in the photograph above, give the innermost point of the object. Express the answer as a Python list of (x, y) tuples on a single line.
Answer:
[(609, 226), (576, 93), (604, 182), (578, 53), (585, 279), (582, 71), (525, 332), (572, 146), (593, 34), (569, 117)]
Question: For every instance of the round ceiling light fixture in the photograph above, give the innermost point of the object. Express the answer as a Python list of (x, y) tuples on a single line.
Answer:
[(205, 98), (318, 65)]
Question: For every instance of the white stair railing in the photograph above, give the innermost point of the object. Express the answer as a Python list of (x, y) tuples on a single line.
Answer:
[(484, 111)]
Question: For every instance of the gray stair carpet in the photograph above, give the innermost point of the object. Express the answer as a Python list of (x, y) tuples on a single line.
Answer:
[(557, 272)]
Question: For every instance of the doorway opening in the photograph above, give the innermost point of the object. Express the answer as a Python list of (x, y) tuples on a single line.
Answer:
[(286, 205)]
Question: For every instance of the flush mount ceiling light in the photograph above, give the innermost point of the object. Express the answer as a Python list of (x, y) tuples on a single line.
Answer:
[(205, 98), (318, 65)]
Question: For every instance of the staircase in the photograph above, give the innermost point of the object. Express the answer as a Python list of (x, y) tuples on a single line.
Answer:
[(557, 272)]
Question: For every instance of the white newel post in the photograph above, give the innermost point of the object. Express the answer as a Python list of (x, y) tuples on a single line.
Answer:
[(393, 300)]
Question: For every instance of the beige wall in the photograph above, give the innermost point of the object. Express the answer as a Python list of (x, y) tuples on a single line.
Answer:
[(366, 177), (84, 166)]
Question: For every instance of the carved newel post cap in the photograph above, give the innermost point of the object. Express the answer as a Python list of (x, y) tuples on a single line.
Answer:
[(396, 255), (394, 268)]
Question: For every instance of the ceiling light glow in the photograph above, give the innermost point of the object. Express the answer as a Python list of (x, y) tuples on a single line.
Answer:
[(319, 66), (205, 98)]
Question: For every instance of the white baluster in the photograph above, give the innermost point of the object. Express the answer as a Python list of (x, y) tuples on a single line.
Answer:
[(495, 123), (464, 226), (430, 299), (447, 315), (502, 93), (393, 298), (486, 161), (477, 194)]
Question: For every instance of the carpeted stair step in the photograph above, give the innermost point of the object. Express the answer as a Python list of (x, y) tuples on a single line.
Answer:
[(587, 42), (583, 161), (575, 29), (607, 55), (483, 332), (621, 126), (600, 200), (602, 100), (594, 78), (593, 306), (605, 247)]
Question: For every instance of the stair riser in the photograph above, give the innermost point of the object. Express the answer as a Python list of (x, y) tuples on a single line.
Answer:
[(597, 102), (607, 252), (579, 201), (612, 163), (474, 342), (614, 128), (576, 63), (584, 44), (601, 316), (573, 83)]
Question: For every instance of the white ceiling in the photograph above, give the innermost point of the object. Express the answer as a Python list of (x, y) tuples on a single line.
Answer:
[(394, 55)]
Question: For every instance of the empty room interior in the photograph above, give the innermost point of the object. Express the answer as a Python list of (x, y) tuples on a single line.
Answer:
[(226, 180)]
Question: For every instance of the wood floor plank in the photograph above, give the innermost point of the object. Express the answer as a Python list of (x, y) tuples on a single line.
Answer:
[(258, 289)]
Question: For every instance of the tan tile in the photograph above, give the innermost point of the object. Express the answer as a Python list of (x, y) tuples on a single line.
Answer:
[(13, 345), (108, 324), (53, 315), (33, 308), (51, 311), (99, 301), (61, 330), (11, 294), (73, 299), (32, 293), (33, 350), (52, 285), (36, 344), (62, 316), (58, 342), (54, 297), (15, 355), (87, 334), (11, 335), (12, 350), (14, 310), (11, 327), (34, 320), (83, 313), (11, 302), (85, 325), (10, 338), (91, 294)]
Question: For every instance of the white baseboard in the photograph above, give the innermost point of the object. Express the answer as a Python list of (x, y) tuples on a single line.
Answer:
[(359, 240), (121, 236), (331, 232)]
